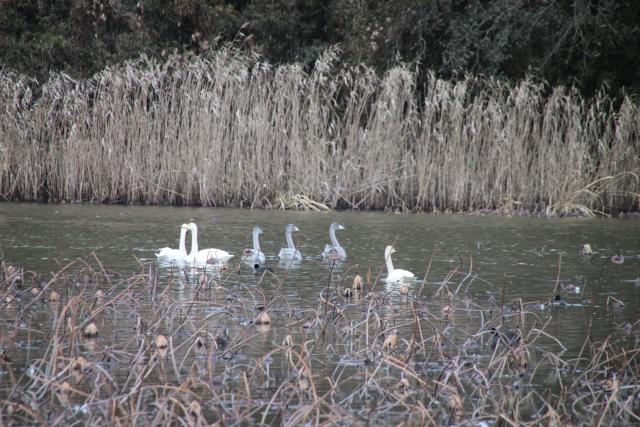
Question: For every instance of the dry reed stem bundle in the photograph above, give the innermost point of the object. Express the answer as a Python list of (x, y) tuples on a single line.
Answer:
[(229, 131)]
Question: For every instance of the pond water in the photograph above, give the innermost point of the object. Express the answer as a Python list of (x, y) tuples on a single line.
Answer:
[(521, 254), (498, 259)]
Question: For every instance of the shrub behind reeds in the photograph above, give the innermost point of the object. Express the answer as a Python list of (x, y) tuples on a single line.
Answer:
[(229, 130)]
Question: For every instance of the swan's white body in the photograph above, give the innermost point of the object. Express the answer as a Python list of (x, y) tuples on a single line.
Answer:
[(254, 256), (395, 275), (180, 254), (334, 250), (290, 253), (210, 257)]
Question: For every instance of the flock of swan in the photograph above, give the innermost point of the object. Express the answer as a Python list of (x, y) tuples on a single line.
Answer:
[(217, 258)]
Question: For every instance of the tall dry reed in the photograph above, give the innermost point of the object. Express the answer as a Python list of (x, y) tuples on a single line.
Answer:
[(229, 130)]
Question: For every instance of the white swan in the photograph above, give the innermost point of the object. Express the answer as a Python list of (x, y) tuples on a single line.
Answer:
[(395, 275), (180, 254), (290, 252), (334, 250), (210, 257), (254, 256)]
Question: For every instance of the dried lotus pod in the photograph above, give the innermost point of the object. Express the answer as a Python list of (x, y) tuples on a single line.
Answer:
[(90, 331), (263, 318), (161, 342), (357, 283), (391, 341)]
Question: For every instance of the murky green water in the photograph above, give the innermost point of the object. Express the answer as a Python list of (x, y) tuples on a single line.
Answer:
[(517, 256), (519, 252)]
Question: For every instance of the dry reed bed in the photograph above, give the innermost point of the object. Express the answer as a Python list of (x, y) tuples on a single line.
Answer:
[(232, 131), (404, 360)]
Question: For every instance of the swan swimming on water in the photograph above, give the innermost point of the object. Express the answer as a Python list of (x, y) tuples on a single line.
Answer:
[(255, 255), (211, 257), (180, 254), (290, 252), (395, 275), (334, 250)]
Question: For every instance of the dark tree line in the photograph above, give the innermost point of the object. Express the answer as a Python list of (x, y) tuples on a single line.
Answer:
[(577, 42)]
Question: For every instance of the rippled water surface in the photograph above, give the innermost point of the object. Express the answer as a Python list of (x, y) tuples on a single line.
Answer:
[(494, 259), (521, 253)]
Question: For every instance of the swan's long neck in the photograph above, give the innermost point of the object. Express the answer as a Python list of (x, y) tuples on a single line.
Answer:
[(256, 240), (183, 237), (332, 235), (389, 263), (194, 240), (290, 241)]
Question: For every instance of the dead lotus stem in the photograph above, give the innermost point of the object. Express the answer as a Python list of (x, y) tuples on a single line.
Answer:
[(124, 376)]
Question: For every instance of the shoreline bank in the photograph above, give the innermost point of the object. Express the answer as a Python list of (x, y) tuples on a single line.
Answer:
[(498, 212)]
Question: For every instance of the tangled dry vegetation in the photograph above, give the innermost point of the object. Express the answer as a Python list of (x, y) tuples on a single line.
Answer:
[(232, 131), (88, 346)]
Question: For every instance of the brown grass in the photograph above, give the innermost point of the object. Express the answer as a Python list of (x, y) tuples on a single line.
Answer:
[(232, 131)]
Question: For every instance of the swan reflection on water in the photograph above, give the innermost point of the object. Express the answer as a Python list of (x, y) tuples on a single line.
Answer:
[(289, 264)]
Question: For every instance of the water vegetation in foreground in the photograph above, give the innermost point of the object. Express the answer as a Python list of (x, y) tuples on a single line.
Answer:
[(86, 345), (229, 130)]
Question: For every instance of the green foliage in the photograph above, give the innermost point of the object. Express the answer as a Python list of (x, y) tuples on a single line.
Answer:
[(581, 42), (289, 30)]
